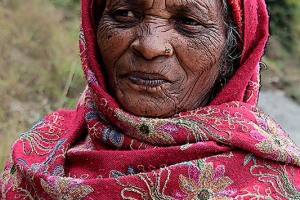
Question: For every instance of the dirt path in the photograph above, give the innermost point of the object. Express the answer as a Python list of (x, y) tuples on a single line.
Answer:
[(283, 110)]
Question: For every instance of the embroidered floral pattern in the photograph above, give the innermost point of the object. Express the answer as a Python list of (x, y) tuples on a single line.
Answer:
[(113, 136), (154, 131), (11, 178), (279, 178), (116, 174), (49, 160), (197, 126), (66, 188), (42, 136), (205, 182), (44, 141), (153, 186), (273, 142), (256, 193)]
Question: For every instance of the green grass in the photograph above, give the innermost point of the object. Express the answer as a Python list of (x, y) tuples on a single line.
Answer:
[(38, 50)]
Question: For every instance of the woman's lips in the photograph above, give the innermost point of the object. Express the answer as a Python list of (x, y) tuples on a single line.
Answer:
[(146, 79)]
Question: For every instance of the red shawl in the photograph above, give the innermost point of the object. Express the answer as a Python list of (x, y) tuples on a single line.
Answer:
[(226, 150)]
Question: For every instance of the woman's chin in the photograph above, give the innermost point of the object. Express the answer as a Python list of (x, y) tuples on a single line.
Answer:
[(146, 101), (149, 110), (147, 106)]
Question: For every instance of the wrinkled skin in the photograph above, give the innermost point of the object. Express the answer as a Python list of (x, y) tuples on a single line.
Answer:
[(161, 56)]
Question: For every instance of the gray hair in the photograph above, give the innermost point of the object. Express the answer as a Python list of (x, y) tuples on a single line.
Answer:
[(231, 52)]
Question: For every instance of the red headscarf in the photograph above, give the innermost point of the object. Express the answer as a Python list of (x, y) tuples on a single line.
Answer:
[(226, 150)]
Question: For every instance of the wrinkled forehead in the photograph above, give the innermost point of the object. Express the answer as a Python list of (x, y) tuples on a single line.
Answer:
[(202, 5)]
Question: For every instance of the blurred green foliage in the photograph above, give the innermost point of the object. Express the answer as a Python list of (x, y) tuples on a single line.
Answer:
[(284, 23), (66, 4), (40, 68), (283, 51)]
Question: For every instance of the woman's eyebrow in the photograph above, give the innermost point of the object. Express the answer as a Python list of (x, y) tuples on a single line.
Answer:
[(188, 7), (179, 9), (131, 3)]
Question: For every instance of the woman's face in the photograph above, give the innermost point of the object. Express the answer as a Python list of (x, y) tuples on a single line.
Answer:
[(161, 56)]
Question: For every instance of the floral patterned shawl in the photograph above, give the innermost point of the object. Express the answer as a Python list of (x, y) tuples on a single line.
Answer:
[(226, 150)]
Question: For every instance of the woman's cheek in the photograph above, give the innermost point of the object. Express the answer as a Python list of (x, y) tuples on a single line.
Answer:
[(113, 43), (192, 58)]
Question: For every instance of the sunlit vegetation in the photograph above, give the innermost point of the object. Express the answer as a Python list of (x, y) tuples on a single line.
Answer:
[(283, 51), (39, 64)]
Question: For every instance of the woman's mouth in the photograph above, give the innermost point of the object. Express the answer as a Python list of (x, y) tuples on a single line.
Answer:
[(146, 79)]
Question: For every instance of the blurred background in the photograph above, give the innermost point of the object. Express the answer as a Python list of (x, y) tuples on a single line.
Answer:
[(40, 68)]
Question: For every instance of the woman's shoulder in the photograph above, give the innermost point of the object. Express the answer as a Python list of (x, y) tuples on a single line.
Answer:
[(59, 119), (61, 126)]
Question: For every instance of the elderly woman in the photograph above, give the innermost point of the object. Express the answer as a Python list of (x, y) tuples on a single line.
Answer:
[(169, 111)]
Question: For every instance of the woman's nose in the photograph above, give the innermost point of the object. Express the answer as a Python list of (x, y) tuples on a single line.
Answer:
[(152, 45)]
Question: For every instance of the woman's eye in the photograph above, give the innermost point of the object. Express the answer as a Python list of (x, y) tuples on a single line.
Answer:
[(188, 26), (125, 16), (189, 21), (125, 13)]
